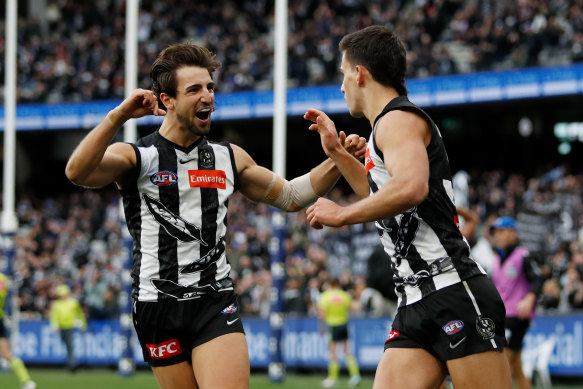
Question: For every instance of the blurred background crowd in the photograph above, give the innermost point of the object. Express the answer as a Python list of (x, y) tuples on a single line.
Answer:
[(73, 50), (77, 239)]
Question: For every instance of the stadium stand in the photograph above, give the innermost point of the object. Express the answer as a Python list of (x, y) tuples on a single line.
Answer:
[(72, 51), (76, 239), (75, 52)]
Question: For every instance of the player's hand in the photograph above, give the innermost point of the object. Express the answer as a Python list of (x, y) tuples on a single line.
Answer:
[(326, 129), (525, 306), (140, 103), (324, 212), (354, 144)]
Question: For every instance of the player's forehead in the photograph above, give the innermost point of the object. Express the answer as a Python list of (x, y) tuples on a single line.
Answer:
[(192, 75), (344, 64)]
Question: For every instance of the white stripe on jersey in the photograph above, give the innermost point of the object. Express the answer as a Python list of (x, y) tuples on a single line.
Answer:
[(149, 264), (425, 242)]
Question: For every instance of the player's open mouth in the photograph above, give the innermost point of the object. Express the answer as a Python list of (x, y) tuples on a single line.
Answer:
[(204, 114)]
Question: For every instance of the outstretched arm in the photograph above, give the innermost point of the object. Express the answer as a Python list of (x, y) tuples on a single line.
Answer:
[(348, 164), (96, 163), (262, 185), (403, 138)]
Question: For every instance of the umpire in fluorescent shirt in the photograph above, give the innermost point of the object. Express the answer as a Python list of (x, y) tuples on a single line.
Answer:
[(15, 363), (66, 315), (334, 307)]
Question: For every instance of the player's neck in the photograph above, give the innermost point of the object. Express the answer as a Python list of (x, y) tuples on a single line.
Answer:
[(175, 133), (376, 98)]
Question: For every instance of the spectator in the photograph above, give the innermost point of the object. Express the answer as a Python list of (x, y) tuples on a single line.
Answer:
[(518, 279), (574, 286), (71, 56), (370, 302)]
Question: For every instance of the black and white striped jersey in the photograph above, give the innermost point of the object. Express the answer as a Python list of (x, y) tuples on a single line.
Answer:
[(176, 212), (424, 243)]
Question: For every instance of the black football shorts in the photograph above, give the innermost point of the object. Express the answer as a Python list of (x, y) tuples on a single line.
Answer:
[(515, 331), (456, 321), (168, 330), (339, 333)]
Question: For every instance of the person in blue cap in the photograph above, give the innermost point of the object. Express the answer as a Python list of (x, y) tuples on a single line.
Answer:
[(517, 277)]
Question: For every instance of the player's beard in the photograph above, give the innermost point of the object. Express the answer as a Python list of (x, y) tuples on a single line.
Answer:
[(190, 123)]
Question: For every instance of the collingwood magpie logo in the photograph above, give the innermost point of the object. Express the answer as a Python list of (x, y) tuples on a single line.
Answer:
[(485, 327), (173, 224), (207, 159)]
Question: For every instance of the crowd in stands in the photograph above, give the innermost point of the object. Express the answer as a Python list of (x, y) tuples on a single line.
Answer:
[(74, 50), (76, 239)]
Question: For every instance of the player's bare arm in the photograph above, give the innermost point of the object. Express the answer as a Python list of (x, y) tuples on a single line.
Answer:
[(262, 185), (402, 137), (96, 162), (333, 144), (471, 221)]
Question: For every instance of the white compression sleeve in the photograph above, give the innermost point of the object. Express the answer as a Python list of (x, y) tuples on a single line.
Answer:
[(299, 190)]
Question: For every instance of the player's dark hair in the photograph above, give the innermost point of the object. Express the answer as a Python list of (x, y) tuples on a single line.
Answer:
[(172, 58), (380, 51)]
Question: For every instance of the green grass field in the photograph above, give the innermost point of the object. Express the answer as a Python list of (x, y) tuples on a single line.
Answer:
[(108, 379)]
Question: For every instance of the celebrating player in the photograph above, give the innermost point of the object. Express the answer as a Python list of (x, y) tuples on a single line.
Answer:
[(175, 185), (450, 316)]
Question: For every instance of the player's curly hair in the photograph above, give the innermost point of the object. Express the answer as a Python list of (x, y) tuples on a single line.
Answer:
[(381, 51), (172, 58)]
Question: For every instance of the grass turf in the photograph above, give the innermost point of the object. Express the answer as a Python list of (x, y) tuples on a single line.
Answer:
[(144, 379)]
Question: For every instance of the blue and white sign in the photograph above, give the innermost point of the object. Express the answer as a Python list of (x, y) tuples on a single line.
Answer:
[(303, 344)]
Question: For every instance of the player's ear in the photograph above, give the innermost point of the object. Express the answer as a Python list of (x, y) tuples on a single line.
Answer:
[(167, 101), (361, 72)]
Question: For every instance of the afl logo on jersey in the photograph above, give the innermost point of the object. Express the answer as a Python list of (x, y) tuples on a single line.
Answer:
[(164, 178)]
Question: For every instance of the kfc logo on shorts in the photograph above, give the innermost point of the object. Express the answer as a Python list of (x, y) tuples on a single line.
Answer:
[(392, 335), (453, 327), (164, 350), (207, 179)]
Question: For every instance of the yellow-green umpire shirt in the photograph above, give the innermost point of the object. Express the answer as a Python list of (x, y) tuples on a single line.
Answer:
[(336, 304), (67, 314)]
